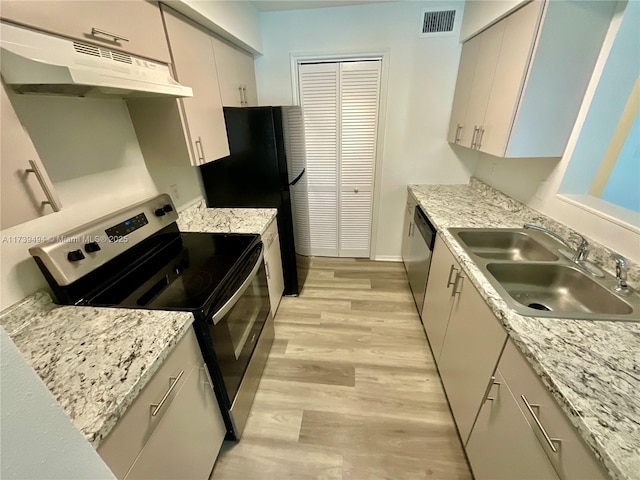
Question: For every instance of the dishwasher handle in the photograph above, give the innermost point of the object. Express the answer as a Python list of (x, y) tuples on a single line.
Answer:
[(426, 228)]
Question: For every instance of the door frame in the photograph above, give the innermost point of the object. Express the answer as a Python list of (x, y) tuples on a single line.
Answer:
[(330, 57)]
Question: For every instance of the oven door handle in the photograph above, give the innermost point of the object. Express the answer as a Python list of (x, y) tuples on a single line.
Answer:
[(219, 315)]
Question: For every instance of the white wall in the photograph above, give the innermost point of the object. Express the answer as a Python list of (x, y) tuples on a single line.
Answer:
[(37, 439), (421, 76), (237, 21), (479, 14), (90, 151), (508, 174)]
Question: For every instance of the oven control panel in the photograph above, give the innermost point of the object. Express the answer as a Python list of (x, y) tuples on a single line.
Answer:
[(73, 254)]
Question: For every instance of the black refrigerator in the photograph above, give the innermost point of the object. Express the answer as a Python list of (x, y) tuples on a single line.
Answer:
[(255, 174)]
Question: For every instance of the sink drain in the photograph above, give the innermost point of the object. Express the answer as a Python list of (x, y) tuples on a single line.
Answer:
[(539, 306)]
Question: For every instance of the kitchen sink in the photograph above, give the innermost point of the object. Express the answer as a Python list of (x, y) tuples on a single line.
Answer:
[(535, 280), (505, 245), (560, 289)]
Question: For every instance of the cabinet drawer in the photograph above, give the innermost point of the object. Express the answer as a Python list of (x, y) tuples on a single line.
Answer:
[(137, 23), (121, 447), (270, 234), (573, 458)]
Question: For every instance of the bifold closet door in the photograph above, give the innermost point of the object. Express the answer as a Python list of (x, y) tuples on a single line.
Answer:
[(340, 109)]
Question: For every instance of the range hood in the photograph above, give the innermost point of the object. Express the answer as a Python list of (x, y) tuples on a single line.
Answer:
[(34, 62)]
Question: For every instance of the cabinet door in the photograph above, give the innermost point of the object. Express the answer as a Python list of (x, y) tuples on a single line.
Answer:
[(407, 233), (187, 441), (470, 352), (489, 51), (508, 82), (502, 445), (194, 61), (275, 278), (105, 23), (468, 59), (22, 194), (439, 297), (237, 75)]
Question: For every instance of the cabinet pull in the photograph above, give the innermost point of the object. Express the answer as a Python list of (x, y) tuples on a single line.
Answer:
[(266, 267), (480, 137), (549, 440), (473, 137), (244, 95), (451, 270), (51, 200), (200, 151), (492, 382), (115, 36), (241, 96), (155, 407), (206, 374), (458, 281), (458, 130), (410, 229)]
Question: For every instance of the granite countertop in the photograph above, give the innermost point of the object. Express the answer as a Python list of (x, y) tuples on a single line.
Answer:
[(199, 218), (592, 368), (95, 361)]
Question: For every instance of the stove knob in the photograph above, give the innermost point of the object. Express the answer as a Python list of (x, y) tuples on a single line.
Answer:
[(159, 212), (91, 247), (75, 256), (168, 208)]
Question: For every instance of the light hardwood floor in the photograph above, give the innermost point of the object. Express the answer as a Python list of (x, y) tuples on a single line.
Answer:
[(350, 390)]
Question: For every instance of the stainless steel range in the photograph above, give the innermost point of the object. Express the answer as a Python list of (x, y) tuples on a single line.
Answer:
[(138, 258)]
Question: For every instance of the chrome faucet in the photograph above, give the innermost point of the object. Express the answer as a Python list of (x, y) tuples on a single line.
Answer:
[(621, 274), (579, 254)]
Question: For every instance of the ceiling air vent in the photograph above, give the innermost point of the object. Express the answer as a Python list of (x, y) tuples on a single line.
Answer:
[(437, 23)]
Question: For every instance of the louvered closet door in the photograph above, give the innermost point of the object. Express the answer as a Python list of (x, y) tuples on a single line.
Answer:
[(359, 98), (319, 98), (340, 109)]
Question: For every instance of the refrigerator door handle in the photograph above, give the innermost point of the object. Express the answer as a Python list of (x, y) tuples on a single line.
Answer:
[(297, 179)]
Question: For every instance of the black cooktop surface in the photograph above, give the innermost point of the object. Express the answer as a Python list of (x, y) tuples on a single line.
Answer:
[(187, 274)]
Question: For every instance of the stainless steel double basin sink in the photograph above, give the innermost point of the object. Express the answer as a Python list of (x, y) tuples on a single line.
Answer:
[(533, 278)]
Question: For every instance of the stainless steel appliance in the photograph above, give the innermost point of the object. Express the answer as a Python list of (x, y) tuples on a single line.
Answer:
[(419, 258), (138, 258)]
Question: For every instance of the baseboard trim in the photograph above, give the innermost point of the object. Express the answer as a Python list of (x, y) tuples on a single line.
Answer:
[(388, 258)]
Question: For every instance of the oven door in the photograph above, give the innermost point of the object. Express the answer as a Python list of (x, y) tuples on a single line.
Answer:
[(235, 328)]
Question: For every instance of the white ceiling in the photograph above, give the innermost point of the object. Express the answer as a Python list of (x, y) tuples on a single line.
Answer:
[(273, 5)]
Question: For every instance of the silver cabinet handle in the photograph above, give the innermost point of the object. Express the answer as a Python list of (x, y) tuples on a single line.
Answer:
[(206, 373), (356, 190), (480, 137), (451, 270), (458, 282), (199, 151), (241, 95), (411, 225), (266, 267), (115, 36), (473, 137), (491, 384), (155, 407), (51, 200), (549, 440), (219, 315), (244, 95), (458, 130)]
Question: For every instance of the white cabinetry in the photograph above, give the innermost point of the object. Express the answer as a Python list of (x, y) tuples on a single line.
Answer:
[(133, 26), (521, 81), (27, 191), (273, 265), (237, 75), (407, 230), (174, 428)]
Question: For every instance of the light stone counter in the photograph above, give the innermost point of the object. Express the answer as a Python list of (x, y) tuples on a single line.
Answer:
[(95, 361), (199, 218), (592, 368)]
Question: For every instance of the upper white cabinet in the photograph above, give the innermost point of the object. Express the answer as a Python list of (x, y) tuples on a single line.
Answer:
[(26, 190), (195, 65), (134, 26), (237, 75), (521, 81)]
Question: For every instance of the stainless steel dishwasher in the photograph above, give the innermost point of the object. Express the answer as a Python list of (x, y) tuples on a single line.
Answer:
[(421, 247)]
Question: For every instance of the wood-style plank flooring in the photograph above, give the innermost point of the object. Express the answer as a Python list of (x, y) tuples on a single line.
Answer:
[(350, 390)]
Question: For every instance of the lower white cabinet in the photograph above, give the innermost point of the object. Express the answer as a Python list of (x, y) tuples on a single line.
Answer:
[(502, 445), (273, 265), (407, 230), (174, 428)]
